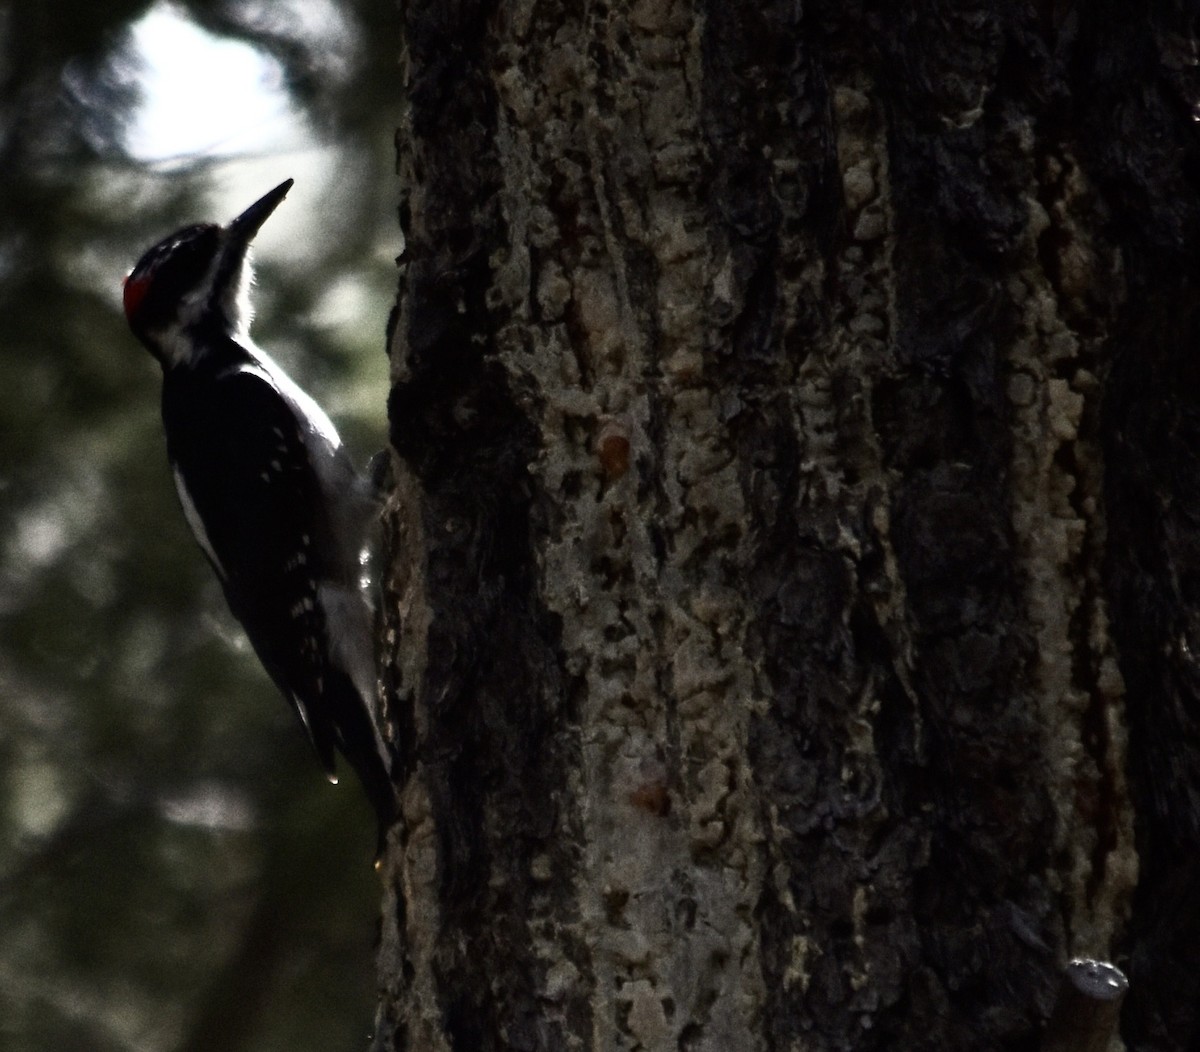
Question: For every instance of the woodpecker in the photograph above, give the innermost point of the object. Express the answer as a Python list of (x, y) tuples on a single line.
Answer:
[(267, 488)]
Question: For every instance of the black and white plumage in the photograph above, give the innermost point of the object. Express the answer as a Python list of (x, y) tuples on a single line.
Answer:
[(267, 488)]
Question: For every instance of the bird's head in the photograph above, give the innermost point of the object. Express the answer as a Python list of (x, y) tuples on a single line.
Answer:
[(197, 277)]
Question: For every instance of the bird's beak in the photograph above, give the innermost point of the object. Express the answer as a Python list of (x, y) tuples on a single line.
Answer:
[(242, 230), (231, 273)]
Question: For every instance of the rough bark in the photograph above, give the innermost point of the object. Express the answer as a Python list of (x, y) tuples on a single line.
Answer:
[(794, 540)]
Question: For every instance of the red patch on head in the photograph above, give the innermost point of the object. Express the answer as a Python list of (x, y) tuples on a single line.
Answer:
[(135, 292)]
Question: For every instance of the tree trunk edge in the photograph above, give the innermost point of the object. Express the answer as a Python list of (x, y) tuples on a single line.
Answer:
[(956, 351)]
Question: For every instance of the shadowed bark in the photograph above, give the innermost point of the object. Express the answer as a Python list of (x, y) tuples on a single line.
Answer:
[(793, 548)]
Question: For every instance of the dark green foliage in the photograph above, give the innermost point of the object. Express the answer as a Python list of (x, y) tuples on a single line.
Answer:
[(174, 871)]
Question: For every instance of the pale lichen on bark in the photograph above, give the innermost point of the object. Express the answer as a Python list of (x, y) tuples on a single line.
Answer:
[(1058, 517), (410, 872), (647, 522)]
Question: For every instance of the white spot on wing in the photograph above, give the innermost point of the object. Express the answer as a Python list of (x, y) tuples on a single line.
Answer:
[(196, 523)]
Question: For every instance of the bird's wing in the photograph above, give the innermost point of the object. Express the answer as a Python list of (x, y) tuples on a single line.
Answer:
[(252, 497)]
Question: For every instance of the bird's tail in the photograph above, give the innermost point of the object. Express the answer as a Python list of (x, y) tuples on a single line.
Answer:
[(360, 742), (351, 694)]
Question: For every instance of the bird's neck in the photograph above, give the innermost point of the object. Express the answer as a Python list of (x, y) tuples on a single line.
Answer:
[(204, 344)]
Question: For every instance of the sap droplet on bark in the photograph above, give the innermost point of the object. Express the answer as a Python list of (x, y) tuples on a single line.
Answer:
[(612, 447)]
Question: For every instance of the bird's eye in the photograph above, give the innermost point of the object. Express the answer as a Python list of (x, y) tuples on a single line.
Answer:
[(186, 259), (171, 269)]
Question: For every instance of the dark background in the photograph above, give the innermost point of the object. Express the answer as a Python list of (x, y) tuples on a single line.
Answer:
[(175, 873)]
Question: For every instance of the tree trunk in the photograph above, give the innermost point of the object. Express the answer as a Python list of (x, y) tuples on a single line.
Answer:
[(795, 535)]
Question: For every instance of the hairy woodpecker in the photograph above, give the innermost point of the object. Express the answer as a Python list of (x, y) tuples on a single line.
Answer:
[(267, 488)]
